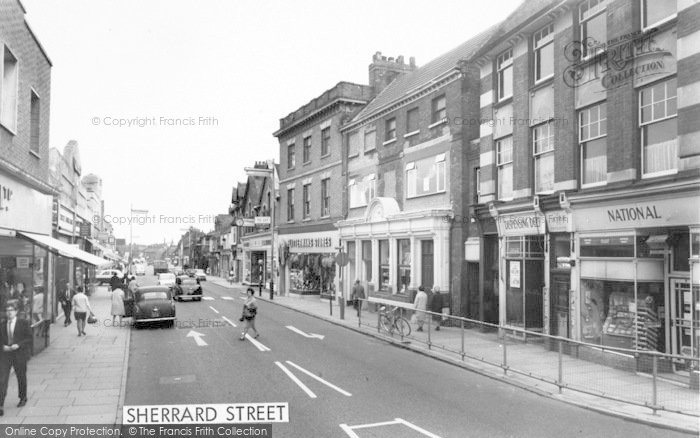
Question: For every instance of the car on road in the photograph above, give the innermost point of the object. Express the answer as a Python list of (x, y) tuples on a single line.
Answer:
[(140, 269), (190, 272), (154, 304), (187, 288), (166, 279), (105, 275), (200, 275)]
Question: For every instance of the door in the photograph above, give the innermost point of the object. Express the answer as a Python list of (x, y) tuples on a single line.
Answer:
[(559, 305), (427, 268), (681, 318)]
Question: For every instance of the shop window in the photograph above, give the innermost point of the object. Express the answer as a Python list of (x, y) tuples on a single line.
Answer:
[(9, 89), (593, 144), (655, 11), (367, 260), (403, 247), (22, 278), (306, 150), (352, 273), (525, 246), (593, 27), (384, 265), (325, 141), (610, 316), (543, 155), (609, 246), (680, 250), (504, 78), (304, 274), (659, 128), (543, 43), (695, 244), (504, 161), (426, 176)]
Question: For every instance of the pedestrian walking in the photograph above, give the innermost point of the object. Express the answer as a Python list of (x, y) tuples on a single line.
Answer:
[(358, 295), (117, 305), (114, 282), (420, 304), (250, 310), (81, 307), (16, 339), (65, 298), (436, 307)]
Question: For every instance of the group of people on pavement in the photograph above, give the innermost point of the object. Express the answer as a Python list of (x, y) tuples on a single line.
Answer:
[(76, 302), (123, 290)]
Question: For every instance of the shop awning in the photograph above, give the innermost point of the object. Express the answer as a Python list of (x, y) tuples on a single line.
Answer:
[(65, 249), (106, 252)]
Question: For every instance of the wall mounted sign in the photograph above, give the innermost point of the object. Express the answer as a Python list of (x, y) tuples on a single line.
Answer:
[(522, 224), (659, 213)]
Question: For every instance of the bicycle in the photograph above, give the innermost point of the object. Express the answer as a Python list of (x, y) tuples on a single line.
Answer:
[(390, 320)]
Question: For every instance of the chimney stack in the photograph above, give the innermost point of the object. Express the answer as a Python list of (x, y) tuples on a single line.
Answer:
[(383, 70)]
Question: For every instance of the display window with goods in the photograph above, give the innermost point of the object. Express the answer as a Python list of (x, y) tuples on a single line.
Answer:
[(312, 273)]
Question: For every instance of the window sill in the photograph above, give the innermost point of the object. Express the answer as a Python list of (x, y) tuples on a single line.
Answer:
[(290, 222), (357, 206), (328, 216), (505, 199), (290, 168), (369, 151), (504, 101), (438, 123), (593, 185), (353, 156), (426, 194), (658, 174), (660, 23), (326, 156), (8, 129), (411, 134), (36, 154), (545, 192), (306, 163), (541, 83), (388, 142), (308, 219)]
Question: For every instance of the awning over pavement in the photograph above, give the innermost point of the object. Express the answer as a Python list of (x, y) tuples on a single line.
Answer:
[(65, 249)]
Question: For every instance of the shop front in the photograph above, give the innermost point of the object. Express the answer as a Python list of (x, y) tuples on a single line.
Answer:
[(256, 259), (392, 252), (522, 254), (310, 265), (640, 273)]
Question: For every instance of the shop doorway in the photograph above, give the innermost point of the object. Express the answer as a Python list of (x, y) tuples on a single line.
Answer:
[(427, 268), (559, 305), (681, 319), (257, 267)]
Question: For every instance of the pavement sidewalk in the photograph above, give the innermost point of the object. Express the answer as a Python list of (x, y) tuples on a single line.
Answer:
[(76, 380), (580, 373)]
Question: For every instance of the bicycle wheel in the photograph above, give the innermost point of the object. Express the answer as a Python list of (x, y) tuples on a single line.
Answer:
[(385, 323), (403, 326)]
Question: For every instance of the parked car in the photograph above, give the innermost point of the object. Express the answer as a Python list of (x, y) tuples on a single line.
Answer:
[(187, 289), (154, 304), (105, 275), (190, 272), (200, 275), (166, 279)]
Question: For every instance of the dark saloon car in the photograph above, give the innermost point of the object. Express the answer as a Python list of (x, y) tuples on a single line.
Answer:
[(187, 288), (154, 304)]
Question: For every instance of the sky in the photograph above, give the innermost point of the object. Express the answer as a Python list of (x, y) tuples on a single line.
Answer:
[(170, 100)]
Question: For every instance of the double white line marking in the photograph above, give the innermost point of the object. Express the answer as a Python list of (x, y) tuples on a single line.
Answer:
[(305, 388)]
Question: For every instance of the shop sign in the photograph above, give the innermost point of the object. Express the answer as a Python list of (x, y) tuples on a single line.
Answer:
[(86, 229), (313, 242), (262, 220), (54, 212), (660, 213), (604, 241), (16, 200), (520, 224), (558, 221), (514, 267)]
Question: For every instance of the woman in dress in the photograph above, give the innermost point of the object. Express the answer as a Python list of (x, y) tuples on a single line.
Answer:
[(117, 305), (250, 309)]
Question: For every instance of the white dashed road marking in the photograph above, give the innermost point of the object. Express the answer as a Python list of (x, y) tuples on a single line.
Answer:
[(229, 321), (296, 380), (213, 309), (350, 430)]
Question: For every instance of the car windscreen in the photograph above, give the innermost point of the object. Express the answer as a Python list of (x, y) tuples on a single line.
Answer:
[(154, 296), (189, 282), (167, 277)]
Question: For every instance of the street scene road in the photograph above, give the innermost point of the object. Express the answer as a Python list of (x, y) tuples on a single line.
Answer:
[(336, 381)]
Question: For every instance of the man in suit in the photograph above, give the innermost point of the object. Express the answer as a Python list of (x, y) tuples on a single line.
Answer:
[(65, 298), (16, 340)]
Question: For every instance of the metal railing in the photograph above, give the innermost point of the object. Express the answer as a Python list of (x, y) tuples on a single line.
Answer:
[(646, 378)]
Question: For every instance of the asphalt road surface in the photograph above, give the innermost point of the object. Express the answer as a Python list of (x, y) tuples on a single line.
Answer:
[(338, 383)]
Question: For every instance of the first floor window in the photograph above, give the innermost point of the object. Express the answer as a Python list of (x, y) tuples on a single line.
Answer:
[(9, 89), (325, 197), (656, 11), (306, 151), (659, 125), (307, 200), (390, 129), (362, 192), (439, 109), (290, 204), (593, 144), (291, 156), (504, 78), (543, 43), (370, 140), (593, 26), (426, 176), (504, 161), (325, 141), (353, 144), (543, 154)]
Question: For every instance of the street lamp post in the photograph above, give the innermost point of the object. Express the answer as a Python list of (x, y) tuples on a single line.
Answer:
[(251, 171)]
